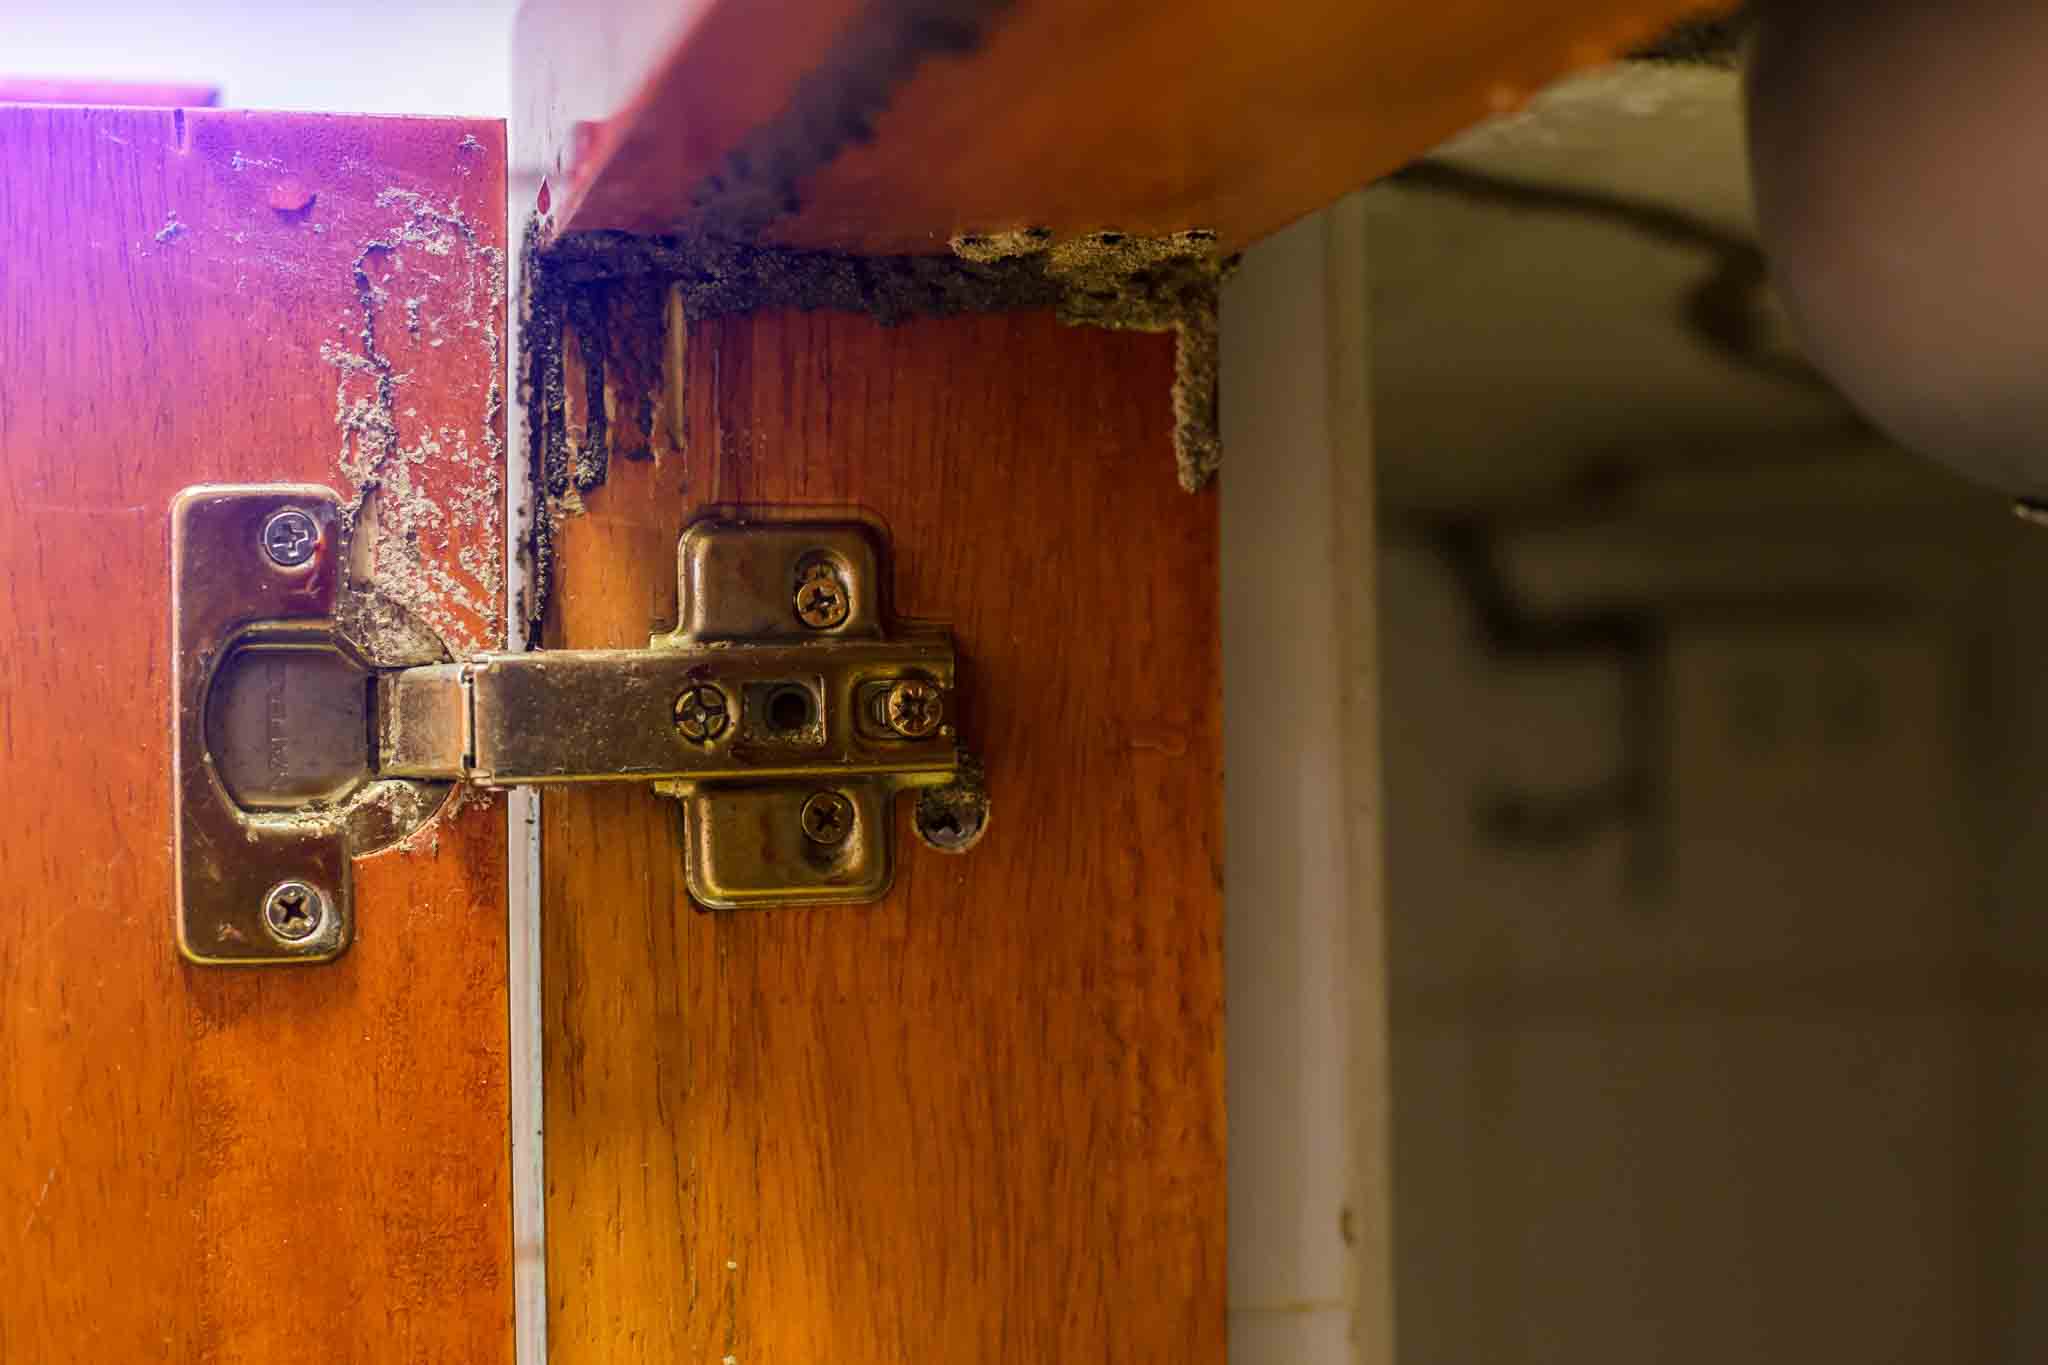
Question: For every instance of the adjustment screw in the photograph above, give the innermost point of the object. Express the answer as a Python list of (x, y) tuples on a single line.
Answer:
[(914, 708), (828, 818), (289, 538), (294, 910), (701, 714), (821, 599)]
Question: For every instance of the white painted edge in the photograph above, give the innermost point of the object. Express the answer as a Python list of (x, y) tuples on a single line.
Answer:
[(529, 1205), (1309, 1279), (1354, 539), (522, 874)]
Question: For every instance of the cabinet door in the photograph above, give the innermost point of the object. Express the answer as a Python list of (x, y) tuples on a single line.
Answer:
[(202, 1163)]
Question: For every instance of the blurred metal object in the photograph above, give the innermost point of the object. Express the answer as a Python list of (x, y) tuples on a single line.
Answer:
[(1896, 149)]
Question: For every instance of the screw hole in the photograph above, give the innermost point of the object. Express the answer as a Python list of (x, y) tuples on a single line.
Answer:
[(791, 710), (953, 818)]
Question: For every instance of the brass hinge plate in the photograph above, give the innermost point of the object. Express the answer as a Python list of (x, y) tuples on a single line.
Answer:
[(785, 711)]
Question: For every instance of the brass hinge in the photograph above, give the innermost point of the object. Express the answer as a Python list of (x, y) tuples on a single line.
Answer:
[(786, 711)]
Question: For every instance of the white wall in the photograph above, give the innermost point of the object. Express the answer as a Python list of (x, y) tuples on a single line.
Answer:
[(447, 57), (1779, 1103)]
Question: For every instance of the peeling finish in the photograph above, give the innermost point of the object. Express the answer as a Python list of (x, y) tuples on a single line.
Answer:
[(833, 107), (1716, 42), (434, 254)]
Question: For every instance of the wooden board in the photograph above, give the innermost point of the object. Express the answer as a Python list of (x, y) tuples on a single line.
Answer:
[(982, 1121), (206, 1164), (165, 94), (894, 126)]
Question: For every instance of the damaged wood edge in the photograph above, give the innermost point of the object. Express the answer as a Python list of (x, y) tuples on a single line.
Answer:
[(826, 101), (596, 302), (1716, 40), (387, 514), (410, 603), (598, 305), (834, 106)]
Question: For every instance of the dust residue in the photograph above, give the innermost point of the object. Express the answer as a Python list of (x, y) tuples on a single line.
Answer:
[(952, 818), (1146, 284), (424, 496), (543, 396), (386, 813), (1716, 42), (171, 229), (606, 314), (1103, 279), (383, 632)]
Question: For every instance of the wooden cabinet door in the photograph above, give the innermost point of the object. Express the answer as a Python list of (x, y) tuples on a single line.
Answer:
[(211, 1163)]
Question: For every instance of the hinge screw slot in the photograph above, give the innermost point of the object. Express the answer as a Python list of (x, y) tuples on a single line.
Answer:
[(791, 711)]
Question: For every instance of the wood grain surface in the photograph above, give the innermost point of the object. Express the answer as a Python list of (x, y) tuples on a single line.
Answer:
[(983, 1120), (891, 126), (207, 1164)]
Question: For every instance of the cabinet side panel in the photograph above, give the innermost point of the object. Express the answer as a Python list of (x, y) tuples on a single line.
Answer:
[(983, 1120)]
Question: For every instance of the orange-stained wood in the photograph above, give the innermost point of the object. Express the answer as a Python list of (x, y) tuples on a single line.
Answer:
[(1075, 115), (983, 1120), (208, 1164)]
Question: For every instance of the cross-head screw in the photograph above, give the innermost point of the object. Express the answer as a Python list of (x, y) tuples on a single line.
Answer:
[(293, 910), (821, 598), (289, 538), (827, 818), (701, 713), (914, 708)]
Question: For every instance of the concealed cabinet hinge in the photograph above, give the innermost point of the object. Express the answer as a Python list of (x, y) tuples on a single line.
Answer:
[(786, 710)]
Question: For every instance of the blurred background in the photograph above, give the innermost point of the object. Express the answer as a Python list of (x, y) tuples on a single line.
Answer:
[(1716, 775), (416, 57)]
